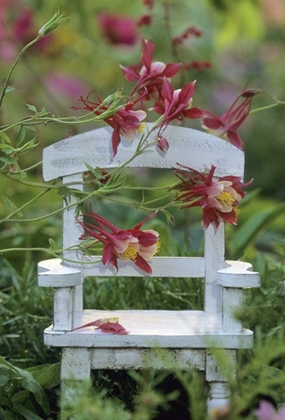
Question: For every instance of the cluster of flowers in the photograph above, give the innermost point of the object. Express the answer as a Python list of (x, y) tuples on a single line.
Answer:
[(153, 80), (219, 198)]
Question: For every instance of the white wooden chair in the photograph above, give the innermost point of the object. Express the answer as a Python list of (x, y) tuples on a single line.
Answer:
[(156, 339)]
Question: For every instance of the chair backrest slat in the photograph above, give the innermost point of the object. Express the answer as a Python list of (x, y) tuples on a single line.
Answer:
[(188, 147), (161, 267)]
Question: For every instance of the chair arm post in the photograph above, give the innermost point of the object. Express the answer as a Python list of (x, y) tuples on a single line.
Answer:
[(52, 273), (234, 279)]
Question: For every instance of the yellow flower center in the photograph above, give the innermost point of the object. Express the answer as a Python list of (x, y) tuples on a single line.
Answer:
[(131, 252), (141, 128), (225, 198), (157, 247)]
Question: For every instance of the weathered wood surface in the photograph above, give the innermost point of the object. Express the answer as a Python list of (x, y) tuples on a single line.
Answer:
[(134, 358), (189, 147), (53, 273), (152, 328), (238, 274)]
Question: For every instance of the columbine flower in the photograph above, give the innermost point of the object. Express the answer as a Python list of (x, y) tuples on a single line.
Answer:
[(175, 104), (151, 74), (266, 411), (226, 125), (125, 121), (134, 244), (218, 199), (118, 30)]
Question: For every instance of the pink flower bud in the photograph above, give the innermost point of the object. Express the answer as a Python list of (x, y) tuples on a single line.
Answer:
[(163, 144)]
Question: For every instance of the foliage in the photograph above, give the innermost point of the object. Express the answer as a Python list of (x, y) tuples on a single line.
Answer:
[(22, 393)]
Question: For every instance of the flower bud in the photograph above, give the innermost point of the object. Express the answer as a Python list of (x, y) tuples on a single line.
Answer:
[(52, 24), (163, 144)]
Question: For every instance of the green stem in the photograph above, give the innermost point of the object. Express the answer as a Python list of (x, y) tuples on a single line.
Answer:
[(264, 108), (34, 41), (28, 169), (23, 206), (53, 253)]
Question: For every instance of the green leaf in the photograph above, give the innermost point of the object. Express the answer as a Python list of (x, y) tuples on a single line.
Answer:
[(4, 138), (276, 374), (27, 382), (7, 415), (3, 380), (32, 108), (8, 161), (26, 413), (52, 244), (21, 135), (10, 206), (20, 397), (32, 385), (30, 127), (9, 89), (6, 364), (48, 376), (7, 149), (96, 172), (253, 227), (63, 192)]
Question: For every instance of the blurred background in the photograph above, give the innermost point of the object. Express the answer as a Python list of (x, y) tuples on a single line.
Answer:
[(223, 44)]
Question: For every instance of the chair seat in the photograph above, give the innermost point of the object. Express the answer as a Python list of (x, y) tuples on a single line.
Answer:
[(152, 328)]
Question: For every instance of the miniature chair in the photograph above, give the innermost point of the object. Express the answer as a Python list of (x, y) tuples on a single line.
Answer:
[(157, 338)]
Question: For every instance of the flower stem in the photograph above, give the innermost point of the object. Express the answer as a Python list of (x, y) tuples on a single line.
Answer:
[(6, 83)]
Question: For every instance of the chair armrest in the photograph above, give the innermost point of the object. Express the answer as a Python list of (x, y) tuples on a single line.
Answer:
[(234, 278), (65, 280), (238, 275), (52, 273)]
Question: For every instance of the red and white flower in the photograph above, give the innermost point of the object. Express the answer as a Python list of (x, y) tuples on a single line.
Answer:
[(125, 122), (134, 244), (149, 74), (226, 125), (219, 198)]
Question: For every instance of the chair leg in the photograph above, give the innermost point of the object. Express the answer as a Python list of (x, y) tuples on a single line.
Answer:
[(75, 367), (218, 399), (217, 366)]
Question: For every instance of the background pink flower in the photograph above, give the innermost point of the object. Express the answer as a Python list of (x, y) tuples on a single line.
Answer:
[(118, 30)]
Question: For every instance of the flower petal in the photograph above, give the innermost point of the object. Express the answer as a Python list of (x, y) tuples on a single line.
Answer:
[(113, 328)]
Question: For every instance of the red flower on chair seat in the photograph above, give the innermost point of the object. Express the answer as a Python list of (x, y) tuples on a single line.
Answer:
[(134, 244)]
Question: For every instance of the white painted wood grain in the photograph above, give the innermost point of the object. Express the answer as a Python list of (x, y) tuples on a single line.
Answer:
[(238, 274), (188, 147), (75, 363), (53, 273), (218, 372), (161, 267), (152, 328), (136, 358), (63, 309), (214, 250), (232, 301)]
